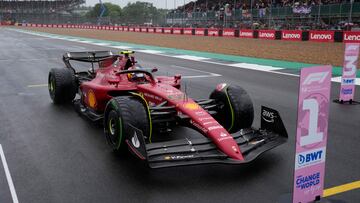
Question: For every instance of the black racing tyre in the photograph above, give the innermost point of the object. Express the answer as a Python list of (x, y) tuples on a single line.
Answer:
[(235, 110), (119, 113), (62, 85)]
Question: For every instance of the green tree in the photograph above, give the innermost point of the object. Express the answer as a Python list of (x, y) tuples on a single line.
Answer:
[(140, 13), (112, 10)]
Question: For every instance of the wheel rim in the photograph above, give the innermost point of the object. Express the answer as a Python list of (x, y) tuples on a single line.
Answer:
[(112, 126), (51, 85)]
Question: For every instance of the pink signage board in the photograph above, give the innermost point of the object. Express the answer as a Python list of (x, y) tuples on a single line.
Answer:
[(347, 89), (311, 134)]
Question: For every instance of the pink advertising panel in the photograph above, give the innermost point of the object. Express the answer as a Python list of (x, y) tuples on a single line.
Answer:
[(151, 30), (311, 134), (347, 89)]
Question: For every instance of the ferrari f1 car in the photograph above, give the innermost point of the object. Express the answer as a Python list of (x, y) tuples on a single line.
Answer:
[(138, 110)]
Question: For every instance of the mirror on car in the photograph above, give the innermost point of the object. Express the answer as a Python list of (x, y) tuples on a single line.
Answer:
[(154, 70)]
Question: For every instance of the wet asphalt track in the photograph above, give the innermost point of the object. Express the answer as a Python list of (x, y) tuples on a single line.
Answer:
[(56, 156)]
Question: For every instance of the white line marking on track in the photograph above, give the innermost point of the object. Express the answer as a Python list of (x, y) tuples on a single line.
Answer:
[(150, 51), (199, 76), (255, 66), (121, 47), (8, 176), (192, 58), (200, 71)]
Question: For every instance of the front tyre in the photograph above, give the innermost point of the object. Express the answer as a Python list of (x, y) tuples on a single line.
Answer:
[(119, 113), (62, 85), (235, 108)]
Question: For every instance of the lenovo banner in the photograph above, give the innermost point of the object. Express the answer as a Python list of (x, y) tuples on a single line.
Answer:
[(321, 36), (188, 31), (311, 134), (167, 30), (177, 31), (152, 30), (159, 30), (213, 32), (143, 29), (266, 34), (200, 31), (228, 33), (246, 34), (291, 35), (350, 36), (347, 89)]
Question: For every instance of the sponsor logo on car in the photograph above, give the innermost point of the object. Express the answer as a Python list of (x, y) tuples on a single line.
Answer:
[(191, 106), (135, 140), (268, 116), (178, 157), (91, 98)]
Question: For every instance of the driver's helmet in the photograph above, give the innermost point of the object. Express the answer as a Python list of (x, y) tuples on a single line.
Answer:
[(128, 61)]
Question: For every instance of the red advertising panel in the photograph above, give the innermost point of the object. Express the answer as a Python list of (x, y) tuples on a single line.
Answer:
[(213, 32), (291, 35), (167, 30), (159, 30), (348, 78), (188, 31), (266, 34), (200, 31), (137, 29), (321, 36), (151, 30), (311, 134), (177, 31), (246, 34), (143, 29), (228, 33), (351, 36)]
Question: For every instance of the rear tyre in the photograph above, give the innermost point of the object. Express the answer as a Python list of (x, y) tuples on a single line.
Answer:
[(119, 113), (235, 110), (62, 85)]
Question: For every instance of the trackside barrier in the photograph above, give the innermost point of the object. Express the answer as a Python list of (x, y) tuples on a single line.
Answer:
[(311, 136), (290, 35)]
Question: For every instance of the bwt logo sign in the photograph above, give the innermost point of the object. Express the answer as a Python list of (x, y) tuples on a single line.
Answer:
[(310, 158)]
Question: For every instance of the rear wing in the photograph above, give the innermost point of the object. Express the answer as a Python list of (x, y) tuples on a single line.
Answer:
[(88, 56)]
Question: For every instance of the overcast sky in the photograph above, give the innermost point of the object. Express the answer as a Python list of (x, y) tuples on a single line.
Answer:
[(170, 4)]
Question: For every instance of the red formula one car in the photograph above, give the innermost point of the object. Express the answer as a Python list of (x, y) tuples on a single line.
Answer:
[(140, 112)]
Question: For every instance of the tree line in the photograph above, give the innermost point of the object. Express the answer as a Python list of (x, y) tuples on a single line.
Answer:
[(132, 13)]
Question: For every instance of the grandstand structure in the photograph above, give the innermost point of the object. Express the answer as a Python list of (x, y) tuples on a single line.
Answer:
[(37, 11), (266, 14)]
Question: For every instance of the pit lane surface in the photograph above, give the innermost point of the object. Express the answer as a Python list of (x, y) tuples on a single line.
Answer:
[(56, 156)]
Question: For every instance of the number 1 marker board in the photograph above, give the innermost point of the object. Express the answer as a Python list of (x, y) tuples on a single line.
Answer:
[(311, 135)]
